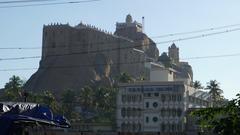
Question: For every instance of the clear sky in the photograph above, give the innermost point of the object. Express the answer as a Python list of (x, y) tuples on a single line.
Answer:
[(22, 27)]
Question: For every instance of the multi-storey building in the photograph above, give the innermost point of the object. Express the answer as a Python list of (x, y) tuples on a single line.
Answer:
[(152, 107)]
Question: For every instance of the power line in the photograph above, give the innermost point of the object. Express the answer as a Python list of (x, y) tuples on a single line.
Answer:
[(74, 66), (161, 42), (23, 1), (117, 48), (46, 4), (136, 62), (20, 58), (212, 56), (196, 31), (199, 36)]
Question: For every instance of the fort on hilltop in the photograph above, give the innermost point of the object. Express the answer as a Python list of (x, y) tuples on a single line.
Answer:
[(76, 56), (73, 57)]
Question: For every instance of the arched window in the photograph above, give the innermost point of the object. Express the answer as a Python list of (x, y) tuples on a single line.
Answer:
[(168, 112), (139, 127), (123, 127), (139, 112), (128, 98), (134, 127), (163, 98), (174, 98), (134, 112), (128, 126), (173, 127), (124, 98), (163, 112), (163, 127), (174, 112), (147, 119), (123, 112), (128, 112), (179, 112)]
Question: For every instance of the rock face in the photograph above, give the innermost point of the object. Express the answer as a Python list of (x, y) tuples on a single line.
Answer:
[(73, 57)]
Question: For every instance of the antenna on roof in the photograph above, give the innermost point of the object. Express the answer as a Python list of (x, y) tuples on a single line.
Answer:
[(143, 24)]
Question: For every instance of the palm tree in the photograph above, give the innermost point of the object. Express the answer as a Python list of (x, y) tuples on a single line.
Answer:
[(197, 85), (49, 99), (87, 97), (13, 89), (68, 103), (214, 91)]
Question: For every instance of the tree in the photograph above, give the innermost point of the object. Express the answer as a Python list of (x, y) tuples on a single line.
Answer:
[(69, 103), (223, 120), (197, 85), (48, 99), (125, 78), (105, 104), (87, 97), (214, 91), (13, 89)]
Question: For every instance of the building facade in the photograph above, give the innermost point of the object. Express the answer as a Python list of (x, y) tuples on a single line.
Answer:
[(154, 107)]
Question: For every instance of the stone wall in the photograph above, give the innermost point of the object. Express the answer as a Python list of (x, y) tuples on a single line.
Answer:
[(73, 57)]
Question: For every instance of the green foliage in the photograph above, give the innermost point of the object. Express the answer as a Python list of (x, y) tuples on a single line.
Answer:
[(215, 92), (69, 100), (124, 78), (197, 85), (99, 100), (220, 120), (13, 89), (102, 100), (44, 98)]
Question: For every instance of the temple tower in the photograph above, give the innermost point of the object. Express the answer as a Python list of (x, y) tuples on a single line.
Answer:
[(173, 53)]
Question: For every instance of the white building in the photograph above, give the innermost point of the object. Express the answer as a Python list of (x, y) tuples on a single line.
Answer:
[(154, 107)]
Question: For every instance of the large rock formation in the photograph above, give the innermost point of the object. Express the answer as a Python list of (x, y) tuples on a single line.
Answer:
[(73, 57)]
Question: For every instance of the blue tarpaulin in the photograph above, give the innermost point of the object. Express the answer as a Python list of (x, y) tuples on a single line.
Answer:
[(12, 114)]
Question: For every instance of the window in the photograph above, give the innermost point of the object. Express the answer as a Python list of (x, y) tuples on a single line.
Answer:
[(156, 94), (179, 98), (128, 98), (163, 97), (155, 119), (163, 112), (147, 104), (173, 112), (139, 112), (139, 127), (147, 119), (173, 127), (163, 127), (138, 89), (128, 112), (123, 98), (155, 104), (174, 98), (123, 112), (149, 94), (179, 112)]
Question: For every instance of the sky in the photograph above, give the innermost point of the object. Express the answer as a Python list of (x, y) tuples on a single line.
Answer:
[(22, 27)]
